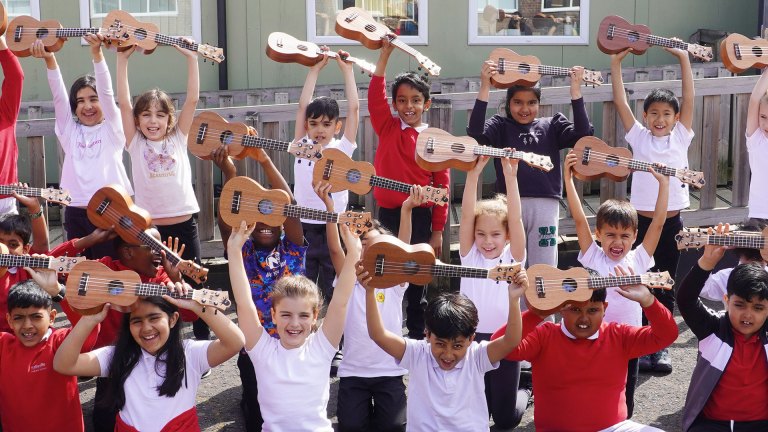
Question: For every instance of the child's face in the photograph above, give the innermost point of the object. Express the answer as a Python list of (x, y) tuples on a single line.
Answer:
[(410, 104), (141, 258), (153, 122), (265, 236), (15, 243), (322, 129), (660, 118), (30, 324), (150, 326), (583, 319), (490, 236), (524, 106), (88, 109), (448, 352), (747, 316), (294, 318), (367, 237), (616, 241), (763, 116)]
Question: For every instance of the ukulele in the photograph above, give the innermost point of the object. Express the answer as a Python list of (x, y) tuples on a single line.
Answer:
[(60, 264), (3, 19), (284, 48), (550, 289), (112, 206), (695, 239), (598, 159), (437, 150), (357, 24), (91, 284), (118, 27), (243, 198), (58, 196), (212, 131), (740, 53), (615, 34), (390, 261), (343, 173), (513, 69)]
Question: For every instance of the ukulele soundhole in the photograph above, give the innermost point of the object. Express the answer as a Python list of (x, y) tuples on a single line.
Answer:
[(125, 222), (301, 47), (354, 176), (370, 27), (633, 36), (115, 287), (612, 161), (569, 285), (757, 51), (458, 148), (411, 267), (227, 137), (524, 68), (140, 34), (41, 33), (266, 207)]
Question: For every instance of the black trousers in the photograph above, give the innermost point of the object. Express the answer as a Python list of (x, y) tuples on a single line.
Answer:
[(633, 369), (421, 228), (666, 255), (506, 404), (704, 425), (319, 268), (371, 404), (103, 418), (77, 225), (250, 401)]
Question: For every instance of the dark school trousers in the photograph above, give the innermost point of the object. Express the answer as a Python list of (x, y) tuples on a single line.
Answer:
[(77, 225), (371, 404), (250, 401), (665, 257), (633, 370), (704, 425), (318, 259), (506, 403), (103, 418)]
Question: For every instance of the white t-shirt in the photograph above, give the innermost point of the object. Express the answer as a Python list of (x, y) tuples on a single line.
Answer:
[(144, 409), (490, 298), (293, 384), (440, 400), (671, 150), (620, 309), (162, 175), (714, 288), (757, 146), (302, 174), (93, 155), (8, 206), (362, 357)]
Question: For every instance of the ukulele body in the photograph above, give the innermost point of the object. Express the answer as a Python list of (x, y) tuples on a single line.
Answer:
[(124, 31), (343, 173), (523, 72), (458, 154), (209, 131), (390, 262), (112, 206), (284, 48), (593, 168), (242, 198), (107, 286), (3, 19), (631, 36), (735, 46), (32, 30), (549, 289), (356, 24)]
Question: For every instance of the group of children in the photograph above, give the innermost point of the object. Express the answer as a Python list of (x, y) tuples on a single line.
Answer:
[(463, 351)]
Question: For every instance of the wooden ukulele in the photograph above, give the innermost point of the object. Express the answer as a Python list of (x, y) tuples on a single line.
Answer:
[(615, 34), (357, 24), (437, 150), (58, 196), (343, 173), (91, 284), (284, 48), (60, 264), (112, 206), (3, 19), (695, 239), (118, 27), (389, 262), (243, 198), (598, 159), (550, 289), (210, 130), (514, 69), (740, 53)]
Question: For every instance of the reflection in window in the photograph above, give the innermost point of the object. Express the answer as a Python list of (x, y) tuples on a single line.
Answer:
[(135, 7), (528, 17), (401, 16), (15, 8)]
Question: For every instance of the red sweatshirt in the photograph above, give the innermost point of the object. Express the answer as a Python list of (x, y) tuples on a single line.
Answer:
[(10, 101), (396, 155)]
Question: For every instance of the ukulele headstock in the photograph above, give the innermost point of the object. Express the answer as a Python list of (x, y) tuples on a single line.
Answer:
[(64, 264), (358, 223), (700, 52), (693, 178), (595, 78), (538, 161), (659, 280), (58, 196), (193, 271), (306, 149), (210, 52), (691, 239), (504, 272), (218, 300), (436, 195), (428, 65)]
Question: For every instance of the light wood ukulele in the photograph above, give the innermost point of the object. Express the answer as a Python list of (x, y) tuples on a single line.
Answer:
[(91, 284), (243, 198), (3, 19), (284, 48), (695, 239), (112, 206), (740, 53), (615, 34), (550, 289), (515, 69), (58, 196), (343, 173), (437, 150), (60, 264), (598, 159)]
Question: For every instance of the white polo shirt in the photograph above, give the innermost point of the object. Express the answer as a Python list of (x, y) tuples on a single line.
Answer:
[(757, 147)]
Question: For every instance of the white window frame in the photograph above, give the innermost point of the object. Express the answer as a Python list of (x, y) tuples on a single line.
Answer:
[(197, 33), (34, 9), (559, 9), (421, 39), (475, 39)]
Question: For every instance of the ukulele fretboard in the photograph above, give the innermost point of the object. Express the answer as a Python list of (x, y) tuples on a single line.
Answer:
[(612, 160), (21, 190), (158, 246), (390, 184), (597, 282), (497, 152), (75, 32), (9, 260), (750, 241), (452, 270), (292, 210), (633, 35)]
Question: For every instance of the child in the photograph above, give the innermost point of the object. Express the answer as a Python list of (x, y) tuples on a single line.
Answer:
[(10, 102), (486, 235), (395, 159), (757, 145), (665, 139), (540, 192), (583, 355), (292, 372), (729, 386), (319, 121), (153, 374), (93, 144)]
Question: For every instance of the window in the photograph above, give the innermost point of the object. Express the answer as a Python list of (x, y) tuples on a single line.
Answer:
[(15, 8), (173, 17), (407, 18), (538, 22)]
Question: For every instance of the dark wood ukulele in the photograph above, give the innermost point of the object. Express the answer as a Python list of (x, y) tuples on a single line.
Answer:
[(112, 206), (515, 69), (60, 264), (57, 196), (695, 239), (597, 159), (740, 53), (343, 173), (615, 34), (284, 48)]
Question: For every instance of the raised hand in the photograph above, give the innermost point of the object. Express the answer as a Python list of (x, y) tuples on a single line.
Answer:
[(182, 289), (638, 293), (240, 235), (416, 197), (714, 253), (509, 165)]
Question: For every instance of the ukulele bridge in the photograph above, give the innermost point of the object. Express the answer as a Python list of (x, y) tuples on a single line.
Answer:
[(103, 206), (430, 148), (611, 30), (539, 282), (236, 200), (378, 269), (585, 155), (17, 33), (82, 286), (201, 131), (501, 66), (327, 170)]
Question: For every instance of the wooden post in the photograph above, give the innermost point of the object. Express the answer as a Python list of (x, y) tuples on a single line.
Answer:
[(37, 157), (741, 170), (709, 144), (441, 116)]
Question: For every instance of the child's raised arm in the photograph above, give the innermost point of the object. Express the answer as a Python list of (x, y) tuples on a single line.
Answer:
[(391, 343), (187, 114), (619, 94), (515, 226), (469, 199), (415, 199), (333, 325), (353, 101), (486, 72), (247, 315), (384, 52), (583, 231), (753, 112), (306, 94), (124, 95), (68, 359), (331, 229), (40, 243), (686, 107), (653, 234), (499, 348)]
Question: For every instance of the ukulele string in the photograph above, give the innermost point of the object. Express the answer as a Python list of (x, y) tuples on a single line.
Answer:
[(540, 68), (305, 212), (241, 138), (647, 36), (609, 159), (748, 50), (98, 285), (443, 147), (157, 37), (21, 190), (137, 232)]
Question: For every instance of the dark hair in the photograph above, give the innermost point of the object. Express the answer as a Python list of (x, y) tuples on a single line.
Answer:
[(536, 89), (28, 294), (323, 106), (749, 254), (450, 315), (663, 96), (127, 354), (164, 102), (17, 224), (376, 226), (84, 81), (616, 213), (412, 79), (599, 295), (748, 281)]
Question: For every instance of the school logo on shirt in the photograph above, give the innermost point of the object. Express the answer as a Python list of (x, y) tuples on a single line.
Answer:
[(547, 236), (380, 297), (529, 138), (39, 367)]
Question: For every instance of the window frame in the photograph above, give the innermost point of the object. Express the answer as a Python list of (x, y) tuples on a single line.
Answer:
[(196, 18), (560, 9), (34, 10)]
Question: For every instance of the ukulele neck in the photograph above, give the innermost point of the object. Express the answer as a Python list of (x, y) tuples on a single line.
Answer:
[(9, 260), (597, 282), (176, 41), (638, 165), (75, 32), (158, 246), (390, 184), (265, 143), (293, 210), (21, 190), (753, 241), (481, 150), (152, 290), (666, 42), (452, 270)]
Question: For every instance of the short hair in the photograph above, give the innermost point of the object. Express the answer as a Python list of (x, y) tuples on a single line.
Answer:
[(450, 315), (412, 79), (28, 294), (599, 295), (164, 102), (323, 106), (495, 207), (536, 89), (80, 83), (750, 254), (616, 213), (17, 224), (376, 226), (661, 95), (297, 286), (748, 281)]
